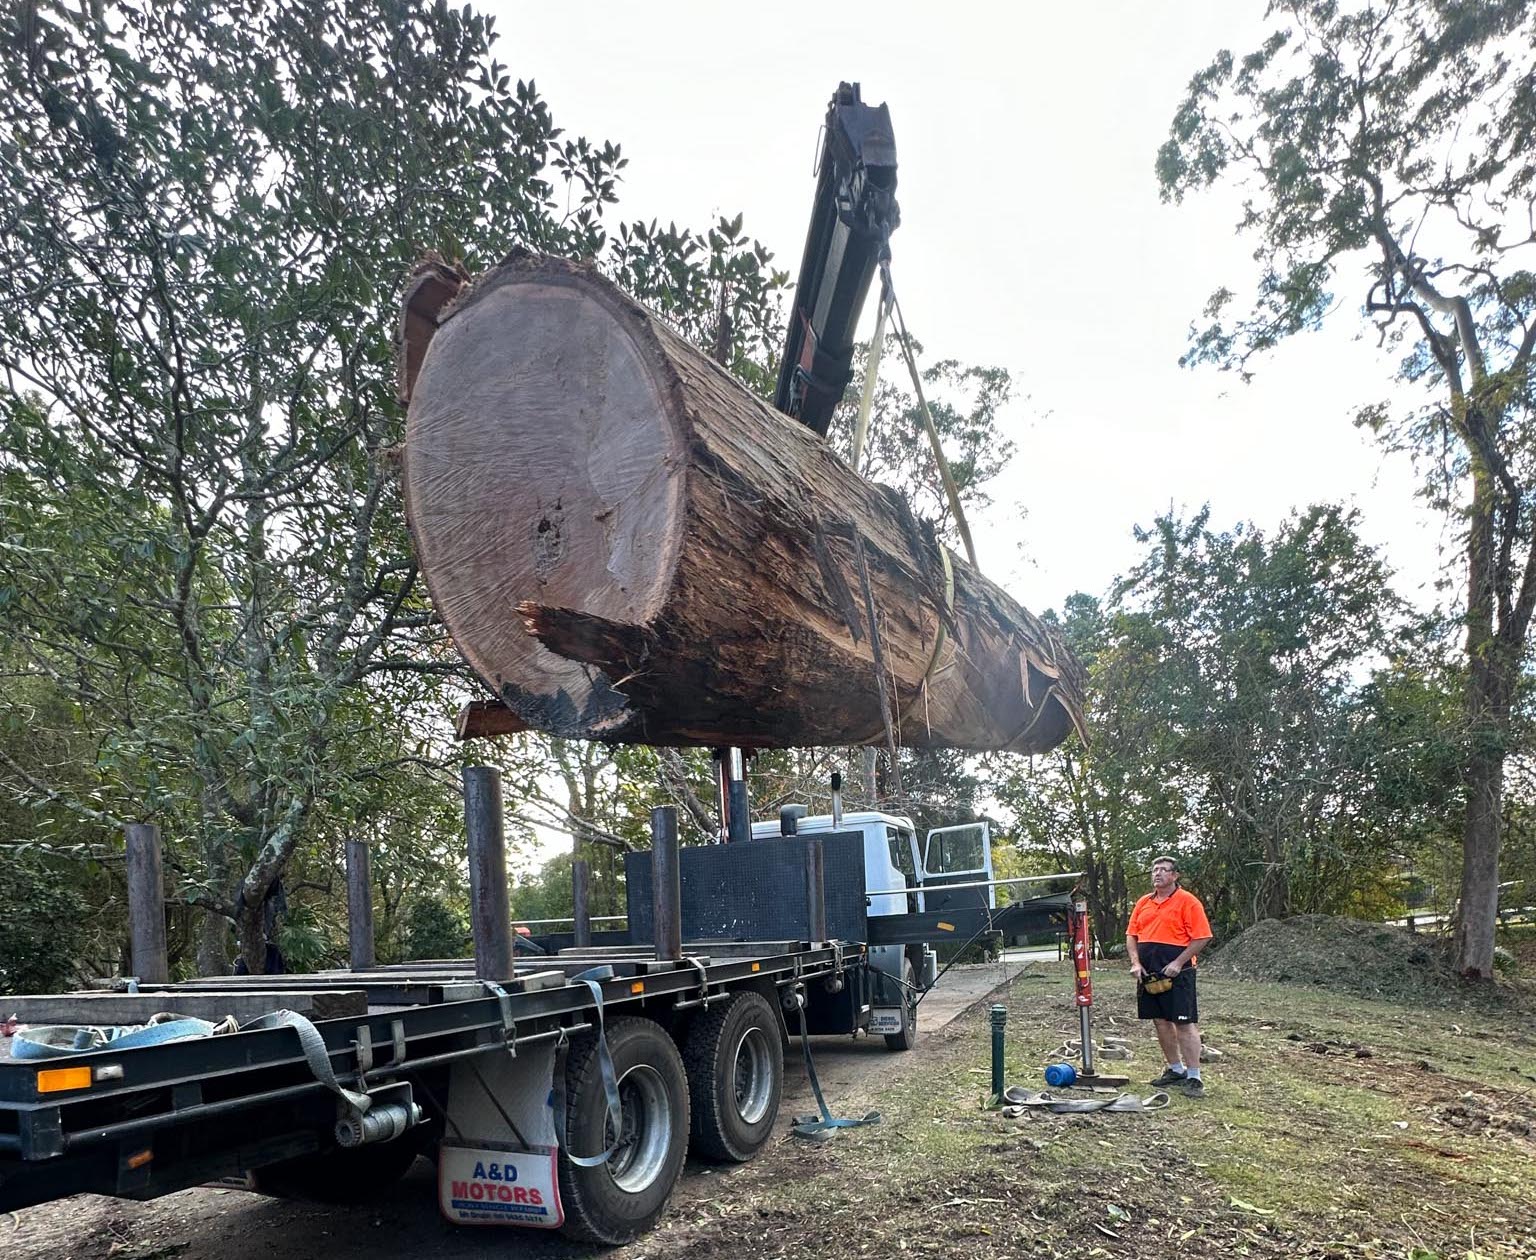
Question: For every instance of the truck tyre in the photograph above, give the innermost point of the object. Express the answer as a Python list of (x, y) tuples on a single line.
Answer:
[(343, 1175), (907, 1037), (620, 1199), (734, 1053)]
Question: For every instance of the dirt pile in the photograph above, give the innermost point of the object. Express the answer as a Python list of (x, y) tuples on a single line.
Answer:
[(1350, 955)]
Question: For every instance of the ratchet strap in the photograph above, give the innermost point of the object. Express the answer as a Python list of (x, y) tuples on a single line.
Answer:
[(315, 1054), (819, 1129), (46, 1041), (591, 979), (1020, 1100), (55, 1040)]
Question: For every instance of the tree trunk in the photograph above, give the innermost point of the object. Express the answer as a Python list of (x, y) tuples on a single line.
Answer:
[(628, 546), (1273, 900), (1478, 915), (212, 943), (1492, 670)]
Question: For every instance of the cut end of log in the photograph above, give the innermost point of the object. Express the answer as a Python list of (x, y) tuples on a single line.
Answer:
[(543, 463)]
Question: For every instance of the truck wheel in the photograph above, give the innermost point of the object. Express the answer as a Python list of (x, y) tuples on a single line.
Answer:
[(734, 1053), (344, 1175), (907, 1037), (621, 1198)]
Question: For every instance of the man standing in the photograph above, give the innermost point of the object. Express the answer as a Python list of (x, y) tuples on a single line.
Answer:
[(1168, 928)]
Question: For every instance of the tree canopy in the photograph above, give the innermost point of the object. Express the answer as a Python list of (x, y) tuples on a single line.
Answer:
[(1253, 714), (210, 208)]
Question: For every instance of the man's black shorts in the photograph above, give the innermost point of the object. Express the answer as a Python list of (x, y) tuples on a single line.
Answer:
[(1178, 1004)]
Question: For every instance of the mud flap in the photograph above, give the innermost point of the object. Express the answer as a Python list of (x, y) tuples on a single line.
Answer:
[(497, 1166)]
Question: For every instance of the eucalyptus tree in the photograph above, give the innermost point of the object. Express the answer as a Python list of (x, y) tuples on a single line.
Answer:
[(1385, 148)]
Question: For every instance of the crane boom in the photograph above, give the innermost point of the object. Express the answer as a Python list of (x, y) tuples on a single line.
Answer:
[(854, 213)]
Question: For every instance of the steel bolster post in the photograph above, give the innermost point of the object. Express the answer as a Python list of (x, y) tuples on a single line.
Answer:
[(489, 911), (146, 903), (360, 905), (666, 884), (738, 806)]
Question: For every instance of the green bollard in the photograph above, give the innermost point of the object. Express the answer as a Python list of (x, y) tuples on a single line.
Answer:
[(999, 1018)]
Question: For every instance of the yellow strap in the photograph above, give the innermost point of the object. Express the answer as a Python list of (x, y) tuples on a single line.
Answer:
[(871, 377), (951, 491)]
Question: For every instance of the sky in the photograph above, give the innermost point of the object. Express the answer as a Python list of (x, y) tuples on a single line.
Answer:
[(1032, 238)]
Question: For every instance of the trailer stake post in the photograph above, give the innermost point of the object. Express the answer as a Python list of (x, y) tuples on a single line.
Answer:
[(360, 904), (490, 915), (146, 903), (666, 884), (581, 895)]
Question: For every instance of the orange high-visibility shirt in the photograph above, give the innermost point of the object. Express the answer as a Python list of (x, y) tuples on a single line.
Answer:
[(1177, 920)]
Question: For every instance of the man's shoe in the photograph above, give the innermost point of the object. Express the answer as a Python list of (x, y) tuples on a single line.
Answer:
[(1169, 1077), (1193, 1089)]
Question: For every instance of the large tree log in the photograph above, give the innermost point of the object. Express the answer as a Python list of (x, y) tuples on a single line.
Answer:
[(629, 546)]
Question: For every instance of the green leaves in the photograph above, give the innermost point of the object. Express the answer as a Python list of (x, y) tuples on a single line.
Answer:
[(1246, 715), (213, 204), (965, 400), (1362, 131), (36, 956)]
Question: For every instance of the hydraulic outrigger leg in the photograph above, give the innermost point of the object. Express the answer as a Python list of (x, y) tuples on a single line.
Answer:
[(1082, 957)]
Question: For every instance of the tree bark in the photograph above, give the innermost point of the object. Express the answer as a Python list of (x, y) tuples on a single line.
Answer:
[(1477, 917), (1492, 669), (868, 759), (212, 943), (629, 546)]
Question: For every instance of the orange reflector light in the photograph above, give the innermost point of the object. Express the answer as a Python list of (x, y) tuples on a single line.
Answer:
[(637, 987), (757, 966), (139, 1158), (53, 1080), (946, 927)]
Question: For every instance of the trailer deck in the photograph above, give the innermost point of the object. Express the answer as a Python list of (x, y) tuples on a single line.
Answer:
[(559, 1084), (142, 1121)]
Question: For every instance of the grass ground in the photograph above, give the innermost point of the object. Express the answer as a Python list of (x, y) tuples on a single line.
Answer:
[(1334, 1127)]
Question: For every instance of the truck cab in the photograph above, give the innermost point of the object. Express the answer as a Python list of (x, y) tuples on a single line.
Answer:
[(894, 859)]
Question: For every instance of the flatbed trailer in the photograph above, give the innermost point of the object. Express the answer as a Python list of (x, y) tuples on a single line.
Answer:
[(448, 1065), (555, 1085)]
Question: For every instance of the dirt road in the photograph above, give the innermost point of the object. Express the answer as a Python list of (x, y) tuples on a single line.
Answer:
[(234, 1225)]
